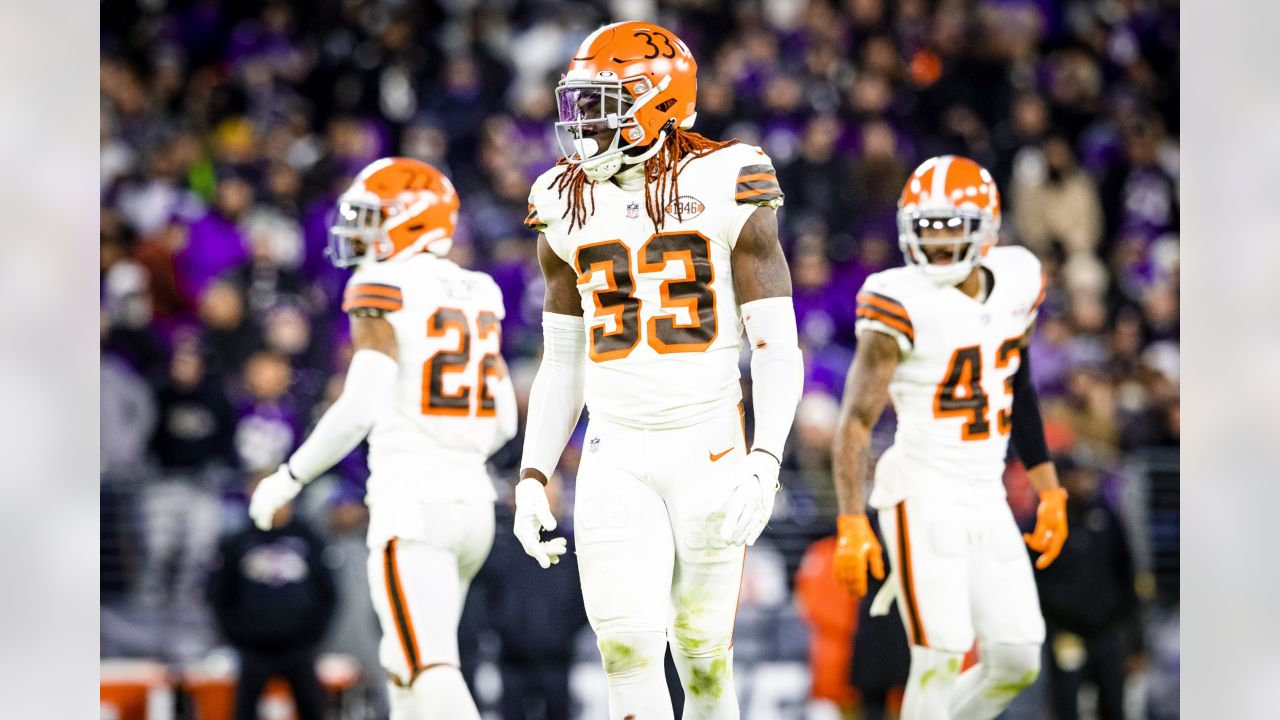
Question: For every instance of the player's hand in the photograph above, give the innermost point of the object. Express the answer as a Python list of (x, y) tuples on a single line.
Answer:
[(856, 549), (274, 492), (750, 504), (533, 514), (1051, 527)]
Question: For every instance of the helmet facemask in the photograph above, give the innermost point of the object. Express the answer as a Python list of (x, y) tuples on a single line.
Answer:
[(356, 233), (946, 245), (594, 110)]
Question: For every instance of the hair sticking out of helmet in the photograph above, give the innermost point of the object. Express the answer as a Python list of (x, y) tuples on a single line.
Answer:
[(661, 178), (629, 96)]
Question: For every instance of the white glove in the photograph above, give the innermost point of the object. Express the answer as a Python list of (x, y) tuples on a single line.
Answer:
[(274, 492), (533, 514), (750, 504)]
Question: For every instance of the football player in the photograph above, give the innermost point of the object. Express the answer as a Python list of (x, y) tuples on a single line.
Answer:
[(944, 339), (658, 246), (429, 387)]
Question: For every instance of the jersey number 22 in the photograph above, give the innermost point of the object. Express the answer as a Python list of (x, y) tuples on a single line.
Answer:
[(460, 402)]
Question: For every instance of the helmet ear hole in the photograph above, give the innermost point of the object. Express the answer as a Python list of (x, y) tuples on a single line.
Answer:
[(665, 105)]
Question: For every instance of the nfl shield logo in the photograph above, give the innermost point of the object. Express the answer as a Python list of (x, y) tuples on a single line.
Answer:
[(633, 212), (594, 445)]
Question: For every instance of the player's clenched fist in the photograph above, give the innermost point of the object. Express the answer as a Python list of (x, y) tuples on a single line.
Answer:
[(274, 492), (533, 514), (856, 548), (1051, 526)]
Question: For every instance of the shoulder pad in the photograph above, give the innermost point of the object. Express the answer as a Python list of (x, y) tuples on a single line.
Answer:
[(545, 204), (756, 181), (878, 303), (373, 291)]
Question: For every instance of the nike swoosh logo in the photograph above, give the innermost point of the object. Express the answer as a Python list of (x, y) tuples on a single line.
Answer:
[(716, 456)]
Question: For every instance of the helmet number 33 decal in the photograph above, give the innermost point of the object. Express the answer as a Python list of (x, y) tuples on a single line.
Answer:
[(657, 52)]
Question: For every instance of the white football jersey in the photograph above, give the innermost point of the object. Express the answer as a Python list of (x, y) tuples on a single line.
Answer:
[(663, 325), (953, 388), (432, 441)]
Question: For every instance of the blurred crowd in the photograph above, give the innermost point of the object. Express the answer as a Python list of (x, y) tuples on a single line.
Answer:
[(228, 127)]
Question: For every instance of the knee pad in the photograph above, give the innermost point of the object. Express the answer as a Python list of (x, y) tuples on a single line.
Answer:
[(1012, 666), (930, 666), (631, 655), (693, 643)]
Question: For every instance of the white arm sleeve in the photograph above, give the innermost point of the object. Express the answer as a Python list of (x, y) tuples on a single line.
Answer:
[(777, 370), (556, 398), (504, 395), (370, 382)]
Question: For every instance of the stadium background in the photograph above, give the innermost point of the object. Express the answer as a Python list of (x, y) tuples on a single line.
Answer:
[(228, 128)]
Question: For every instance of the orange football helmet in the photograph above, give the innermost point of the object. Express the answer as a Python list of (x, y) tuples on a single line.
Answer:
[(634, 79), (395, 207), (948, 193)]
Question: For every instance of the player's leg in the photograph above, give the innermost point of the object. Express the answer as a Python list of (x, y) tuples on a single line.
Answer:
[(415, 588), (625, 560), (1006, 614), (928, 548), (708, 573)]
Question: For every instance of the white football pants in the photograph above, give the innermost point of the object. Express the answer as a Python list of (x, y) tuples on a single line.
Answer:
[(653, 566), (961, 569), (418, 588)]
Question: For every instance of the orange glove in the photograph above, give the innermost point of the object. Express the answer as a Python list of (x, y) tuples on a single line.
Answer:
[(1051, 526), (856, 548)]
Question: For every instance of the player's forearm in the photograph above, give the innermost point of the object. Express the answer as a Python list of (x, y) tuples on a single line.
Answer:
[(556, 398), (851, 456), (777, 370), (369, 385), (1027, 432), (1043, 476)]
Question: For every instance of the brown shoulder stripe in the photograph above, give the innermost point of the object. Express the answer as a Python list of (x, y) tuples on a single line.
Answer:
[(871, 313), (532, 220), (372, 296), (885, 305), (379, 289), (757, 183)]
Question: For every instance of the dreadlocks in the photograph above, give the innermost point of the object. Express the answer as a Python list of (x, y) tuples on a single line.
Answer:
[(661, 178)]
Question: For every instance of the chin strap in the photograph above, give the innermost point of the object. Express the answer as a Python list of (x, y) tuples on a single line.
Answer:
[(606, 168), (653, 149)]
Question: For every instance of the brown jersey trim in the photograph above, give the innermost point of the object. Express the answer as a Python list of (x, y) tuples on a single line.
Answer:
[(909, 599)]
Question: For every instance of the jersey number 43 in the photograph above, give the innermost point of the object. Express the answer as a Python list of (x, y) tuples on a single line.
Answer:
[(665, 333), (960, 393)]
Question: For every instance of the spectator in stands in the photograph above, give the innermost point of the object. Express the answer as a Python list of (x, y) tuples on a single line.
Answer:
[(193, 445), (273, 596), (228, 333), (538, 630), (214, 242), (268, 428), (1056, 203), (1089, 601)]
